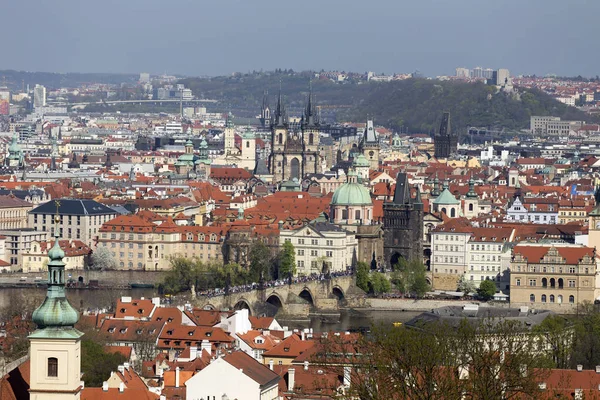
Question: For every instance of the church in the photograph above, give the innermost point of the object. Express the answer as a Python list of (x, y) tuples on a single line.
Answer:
[(294, 152)]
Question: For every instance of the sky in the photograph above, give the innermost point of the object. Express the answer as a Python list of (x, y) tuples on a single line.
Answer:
[(218, 37)]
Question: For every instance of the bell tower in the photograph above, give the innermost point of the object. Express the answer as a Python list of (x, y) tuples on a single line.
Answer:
[(55, 350), (310, 135), (279, 134), (594, 224)]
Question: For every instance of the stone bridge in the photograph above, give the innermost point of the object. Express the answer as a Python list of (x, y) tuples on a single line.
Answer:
[(297, 299)]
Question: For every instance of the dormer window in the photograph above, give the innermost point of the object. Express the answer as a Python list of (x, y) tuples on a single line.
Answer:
[(151, 331), (139, 331), (169, 332), (169, 319), (123, 330), (191, 333), (122, 310), (140, 311), (111, 330), (208, 334)]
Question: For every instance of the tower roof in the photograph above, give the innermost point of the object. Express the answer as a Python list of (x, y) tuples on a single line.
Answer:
[(402, 192), (56, 317)]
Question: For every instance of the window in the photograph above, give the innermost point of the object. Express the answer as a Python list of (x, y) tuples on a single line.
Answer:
[(314, 253), (532, 282), (571, 270), (543, 298), (518, 282), (300, 252), (300, 241), (52, 367), (532, 298), (571, 299), (329, 253), (314, 241), (571, 283), (330, 243)]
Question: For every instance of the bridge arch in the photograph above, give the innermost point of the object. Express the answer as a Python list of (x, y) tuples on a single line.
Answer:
[(307, 296), (243, 304), (275, 301), (338, 292)]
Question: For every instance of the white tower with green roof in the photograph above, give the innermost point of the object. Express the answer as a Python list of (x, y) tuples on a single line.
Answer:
[(55, 351)]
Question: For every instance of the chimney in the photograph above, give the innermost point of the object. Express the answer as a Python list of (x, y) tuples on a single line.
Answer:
[(105, 386), (306, 365), (121, 369), (193, 352), (579, 367), (126, 365), (121, 387), (463, 372), (271, 365), (206, 346), (598, 369), (291, 379), (303, 336), (177, 377), (347, 372)]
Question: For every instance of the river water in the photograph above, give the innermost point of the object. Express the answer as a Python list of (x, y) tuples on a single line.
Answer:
[(89, 299)]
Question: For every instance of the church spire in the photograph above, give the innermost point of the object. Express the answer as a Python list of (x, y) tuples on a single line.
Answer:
[(310, 117), (280, 110), (56, 312)]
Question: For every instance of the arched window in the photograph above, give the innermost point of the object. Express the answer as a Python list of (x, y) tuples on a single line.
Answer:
[(444, 211), (344, 214), (470, 206), (532, 298), (551, 298), (544, 282), (357, 214), (53, 366), (560, 283), (280, 139), (571, 299), (247, 145), (310, 138), (552, 282), (559, 299), (543, 298), (453, 212)]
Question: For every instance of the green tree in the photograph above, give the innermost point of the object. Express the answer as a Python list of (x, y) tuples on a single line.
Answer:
[(260, 261), (419, 286), (288, 260), (410, 276), (362, 275), (586, 339), (379, 284), (557, 334), (97, 364), (487, 290)]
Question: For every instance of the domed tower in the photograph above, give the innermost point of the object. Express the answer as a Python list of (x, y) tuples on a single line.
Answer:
[(55, 351), (471, 200), (351, 203), (203, 162)]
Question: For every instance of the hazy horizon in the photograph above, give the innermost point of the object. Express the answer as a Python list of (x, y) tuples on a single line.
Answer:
[(218, 38)]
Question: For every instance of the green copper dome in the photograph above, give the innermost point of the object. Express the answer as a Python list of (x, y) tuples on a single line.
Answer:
[(446, 198), (56, 253), (351, 194), (360, 161)]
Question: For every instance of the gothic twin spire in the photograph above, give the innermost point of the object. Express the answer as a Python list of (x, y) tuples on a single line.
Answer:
[(309, 118)]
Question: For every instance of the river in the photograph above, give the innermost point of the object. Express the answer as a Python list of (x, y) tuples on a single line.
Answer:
[(89, 299)]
